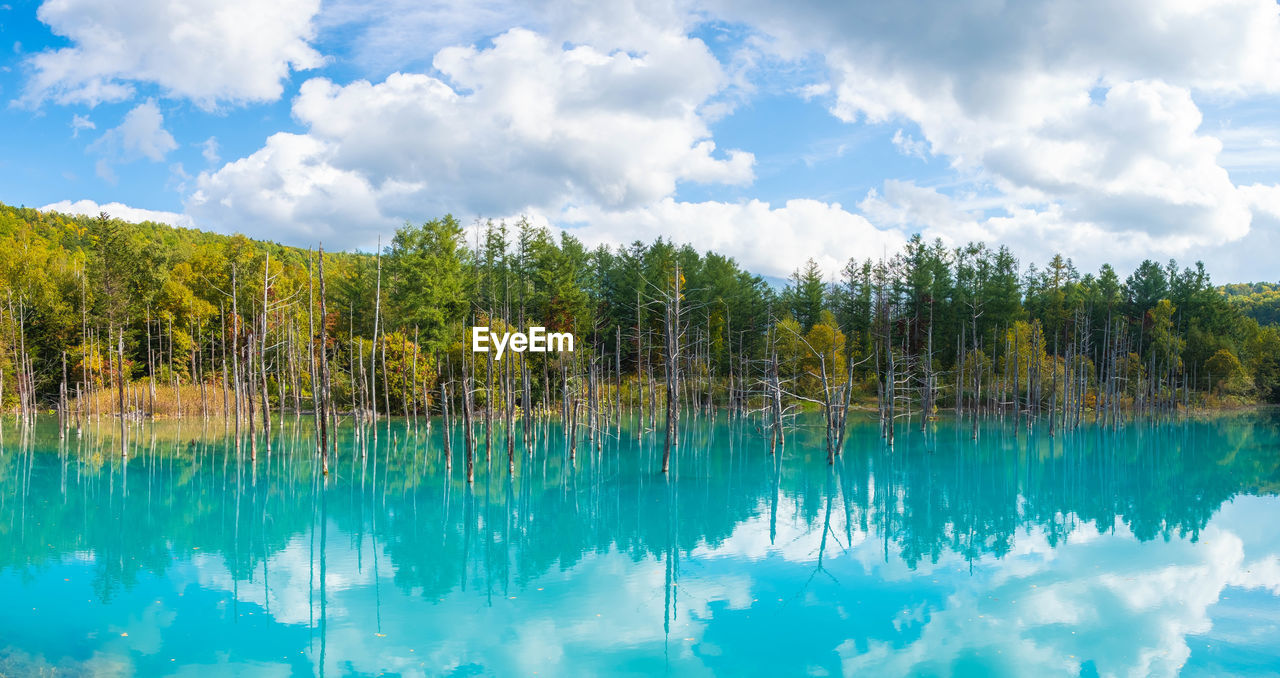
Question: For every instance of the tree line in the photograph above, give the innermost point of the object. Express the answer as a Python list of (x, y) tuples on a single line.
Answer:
[(1260, 301), (106, 318)]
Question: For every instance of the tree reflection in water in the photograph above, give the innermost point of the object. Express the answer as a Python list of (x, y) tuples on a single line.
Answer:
[(394, 526)]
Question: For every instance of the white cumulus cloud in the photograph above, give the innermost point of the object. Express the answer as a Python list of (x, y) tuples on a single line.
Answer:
[(209, 51), (526, 124), (766, 240), (1059, 125), (140, 135), (121, 211), (1085, 112)]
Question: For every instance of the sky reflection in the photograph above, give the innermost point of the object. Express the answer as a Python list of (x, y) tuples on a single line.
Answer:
[(1144, 551)]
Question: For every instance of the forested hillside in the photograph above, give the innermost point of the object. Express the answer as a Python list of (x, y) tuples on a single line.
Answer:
[(1260, 301), (86, 300)]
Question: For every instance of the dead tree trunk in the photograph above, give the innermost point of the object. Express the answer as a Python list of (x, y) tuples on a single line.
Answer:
[(671, 359)]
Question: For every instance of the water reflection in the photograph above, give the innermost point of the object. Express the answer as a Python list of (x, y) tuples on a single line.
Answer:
[(1093, 552)]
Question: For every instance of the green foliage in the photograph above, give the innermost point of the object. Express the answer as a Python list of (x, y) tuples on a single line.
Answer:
[(1227, 373), (1261, 351), (1260, 301), (426, 271), (1167, 345), (807, 355), (1027, 343), (72, 283), (804, 296)]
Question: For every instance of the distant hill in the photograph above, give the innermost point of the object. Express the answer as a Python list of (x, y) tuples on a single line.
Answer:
[(1260, 301), (72, 232)]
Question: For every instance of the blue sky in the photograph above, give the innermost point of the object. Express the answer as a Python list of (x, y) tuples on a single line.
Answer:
[(1107, 131)]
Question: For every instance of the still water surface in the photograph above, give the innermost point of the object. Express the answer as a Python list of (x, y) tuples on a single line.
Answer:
[(1149, 550)]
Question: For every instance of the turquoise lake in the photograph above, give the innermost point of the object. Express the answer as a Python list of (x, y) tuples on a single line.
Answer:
[(1153, 549)]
